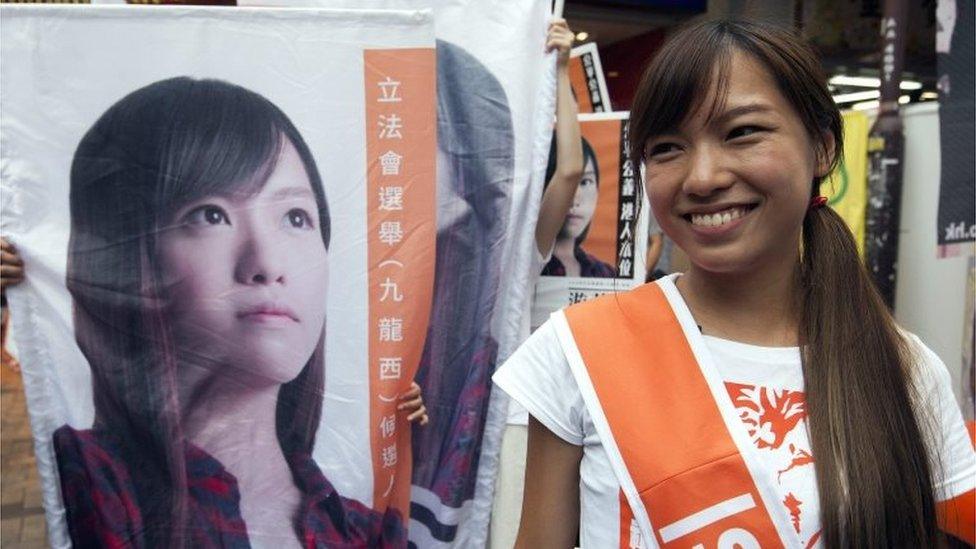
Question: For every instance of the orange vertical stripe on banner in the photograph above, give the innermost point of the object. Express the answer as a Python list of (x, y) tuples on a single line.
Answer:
[(401, 141), (604, 137), (577, 81)]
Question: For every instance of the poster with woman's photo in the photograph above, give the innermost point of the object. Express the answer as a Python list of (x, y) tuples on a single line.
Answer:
[(587, 79), (227, 222), (601, 246)]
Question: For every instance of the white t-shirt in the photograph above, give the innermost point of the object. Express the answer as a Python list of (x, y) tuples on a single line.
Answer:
[(766, 387), (516, 413)]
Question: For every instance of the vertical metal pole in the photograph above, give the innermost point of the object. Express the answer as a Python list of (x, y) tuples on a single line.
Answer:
[(885, 154), (557, 8)]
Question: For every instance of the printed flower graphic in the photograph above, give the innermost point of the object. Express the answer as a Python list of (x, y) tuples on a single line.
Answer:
[(769, 414)]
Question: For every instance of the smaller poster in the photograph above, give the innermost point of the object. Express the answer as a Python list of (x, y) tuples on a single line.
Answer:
[(601, 246), (587, 79)]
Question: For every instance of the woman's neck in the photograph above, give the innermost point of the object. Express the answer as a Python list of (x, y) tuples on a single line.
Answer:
[(760, 307), (564, 247), (235, 424), (565, 251)]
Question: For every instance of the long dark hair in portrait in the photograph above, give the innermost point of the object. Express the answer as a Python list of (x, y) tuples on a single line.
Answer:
[(477, 146), (873, 474), (154, 151)]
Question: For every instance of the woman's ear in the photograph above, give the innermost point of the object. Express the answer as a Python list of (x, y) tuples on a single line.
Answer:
[(825, 155)]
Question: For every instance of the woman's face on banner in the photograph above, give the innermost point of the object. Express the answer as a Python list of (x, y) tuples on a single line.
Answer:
[(246, 277), (584, 204)]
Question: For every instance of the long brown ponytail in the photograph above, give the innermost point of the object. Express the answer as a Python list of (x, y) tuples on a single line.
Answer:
[(856, 368), (871, 461)]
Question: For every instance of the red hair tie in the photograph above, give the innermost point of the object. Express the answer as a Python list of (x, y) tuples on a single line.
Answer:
[(817, 202)]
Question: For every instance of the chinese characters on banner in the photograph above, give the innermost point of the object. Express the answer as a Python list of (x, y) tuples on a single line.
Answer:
[(628, 206), (587, 79), (400, 151)]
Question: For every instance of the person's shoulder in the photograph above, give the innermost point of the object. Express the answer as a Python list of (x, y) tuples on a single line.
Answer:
[(308, 476), (91, 469), (540, 377), (595, 267), (88, 445), (925, 363), (552, 267), (91, 456), (929, 374), (540, 357), (335, 520), (319, 489), (941, 420)]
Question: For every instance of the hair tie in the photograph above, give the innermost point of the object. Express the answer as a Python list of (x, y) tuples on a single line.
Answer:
[(817, 202)]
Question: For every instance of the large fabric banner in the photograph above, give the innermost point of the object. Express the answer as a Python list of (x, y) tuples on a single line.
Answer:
[(495, 106), (601, 246), (496, 101), (228, 221)]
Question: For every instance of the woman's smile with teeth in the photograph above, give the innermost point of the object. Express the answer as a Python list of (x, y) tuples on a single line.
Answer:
[(717, 218)]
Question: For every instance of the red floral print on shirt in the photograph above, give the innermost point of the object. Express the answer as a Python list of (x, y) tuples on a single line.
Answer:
[(772, 417), (793, 505), (799, 457), (769, 414)]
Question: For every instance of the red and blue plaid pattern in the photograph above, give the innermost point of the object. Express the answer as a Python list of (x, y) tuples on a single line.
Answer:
[(103, 510), (590, 266)]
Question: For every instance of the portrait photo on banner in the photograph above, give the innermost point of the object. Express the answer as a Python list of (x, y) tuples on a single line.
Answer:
[(600, 247), (229, 221)]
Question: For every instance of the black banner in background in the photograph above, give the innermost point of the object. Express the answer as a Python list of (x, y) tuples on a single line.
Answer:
[(956, 54), (627, 218), (593, 83), (885, 154)]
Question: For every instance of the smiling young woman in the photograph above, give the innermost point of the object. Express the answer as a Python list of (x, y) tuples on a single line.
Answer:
[(766, 397)]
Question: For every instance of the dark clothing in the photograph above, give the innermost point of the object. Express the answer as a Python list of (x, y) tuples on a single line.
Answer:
[(590, 266), (104, 510)]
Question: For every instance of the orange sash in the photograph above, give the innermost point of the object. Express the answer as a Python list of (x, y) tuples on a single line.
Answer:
[(687, 478)]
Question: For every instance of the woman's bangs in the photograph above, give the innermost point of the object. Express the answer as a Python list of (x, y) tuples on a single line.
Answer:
[(686, 89), (679, 83), (228, 149)]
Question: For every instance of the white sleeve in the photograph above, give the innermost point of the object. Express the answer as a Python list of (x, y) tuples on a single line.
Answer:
[(538, 377), (541, 260), (950, 448)]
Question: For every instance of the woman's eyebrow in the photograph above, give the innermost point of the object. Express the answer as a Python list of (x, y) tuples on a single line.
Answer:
[(294, 191), (741, 110)]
